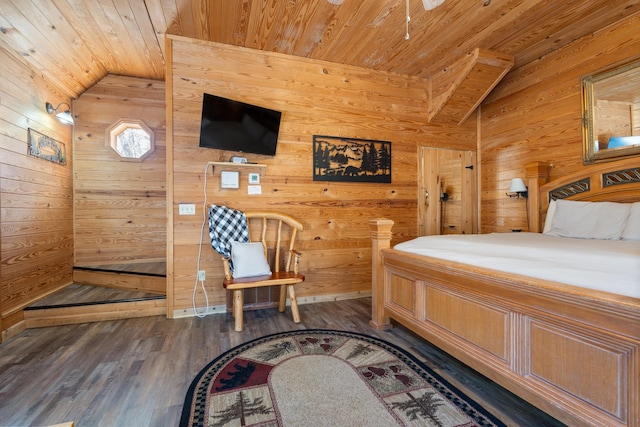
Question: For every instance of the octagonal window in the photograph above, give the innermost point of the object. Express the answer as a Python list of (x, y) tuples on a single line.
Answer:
[(131, 139)]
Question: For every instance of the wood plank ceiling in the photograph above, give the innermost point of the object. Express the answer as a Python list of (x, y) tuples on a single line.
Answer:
[(74, 43)]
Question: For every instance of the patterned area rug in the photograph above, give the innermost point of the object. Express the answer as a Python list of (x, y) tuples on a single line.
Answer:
[(325, 378)]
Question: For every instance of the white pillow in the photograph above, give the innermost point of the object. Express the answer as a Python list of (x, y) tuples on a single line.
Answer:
[(551, 210), (589, 220), (632, 228), (248, 260)]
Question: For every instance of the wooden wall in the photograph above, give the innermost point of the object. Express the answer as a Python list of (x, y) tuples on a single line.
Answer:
[(316, 98), (119, 206), (36, 227), (534, 114), (635, 118)]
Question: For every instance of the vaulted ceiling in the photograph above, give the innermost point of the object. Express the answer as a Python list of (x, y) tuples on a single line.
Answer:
[(74, 43)]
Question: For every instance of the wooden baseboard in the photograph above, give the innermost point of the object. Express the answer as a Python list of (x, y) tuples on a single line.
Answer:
[(14, 330), (219, 309), (334, 297), (200, 311)]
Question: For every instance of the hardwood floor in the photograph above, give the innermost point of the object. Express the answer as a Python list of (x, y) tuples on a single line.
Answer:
[(136, 372)]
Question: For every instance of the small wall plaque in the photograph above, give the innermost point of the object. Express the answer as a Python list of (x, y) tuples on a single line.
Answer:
[(229, 179), (43, 147)]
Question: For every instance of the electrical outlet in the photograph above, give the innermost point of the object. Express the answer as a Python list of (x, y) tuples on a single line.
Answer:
[(202, 275), (186, 209)]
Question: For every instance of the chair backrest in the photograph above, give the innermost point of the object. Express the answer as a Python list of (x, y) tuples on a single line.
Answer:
[(277, 232)]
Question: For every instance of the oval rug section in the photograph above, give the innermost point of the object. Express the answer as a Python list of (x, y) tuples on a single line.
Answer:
[(323, 390)]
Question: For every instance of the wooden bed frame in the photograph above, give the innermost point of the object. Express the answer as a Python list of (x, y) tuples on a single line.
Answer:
[(572, 352)]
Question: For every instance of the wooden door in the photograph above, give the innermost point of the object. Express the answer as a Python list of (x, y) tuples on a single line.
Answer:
[(448, 202)]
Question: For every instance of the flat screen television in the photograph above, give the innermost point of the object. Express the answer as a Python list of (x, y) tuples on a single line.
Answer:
[(236, 126)]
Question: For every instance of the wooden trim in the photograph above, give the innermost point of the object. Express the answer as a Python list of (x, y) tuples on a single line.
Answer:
[(169, 173), (14, 330), (537, 175), (381, 239), (221, 309), (19, 309)]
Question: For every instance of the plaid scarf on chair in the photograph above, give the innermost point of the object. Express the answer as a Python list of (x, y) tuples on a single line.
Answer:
[(226, 225)]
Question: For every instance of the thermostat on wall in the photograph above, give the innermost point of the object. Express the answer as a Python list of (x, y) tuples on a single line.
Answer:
[(229, 179), (254, 178)]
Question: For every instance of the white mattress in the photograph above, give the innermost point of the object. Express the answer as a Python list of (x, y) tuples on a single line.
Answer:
[(604, 265)]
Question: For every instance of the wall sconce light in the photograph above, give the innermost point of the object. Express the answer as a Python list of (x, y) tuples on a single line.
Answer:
[(518, 189), (64, 116)]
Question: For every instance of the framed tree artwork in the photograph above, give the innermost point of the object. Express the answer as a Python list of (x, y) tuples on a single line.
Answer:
[(351, 159)]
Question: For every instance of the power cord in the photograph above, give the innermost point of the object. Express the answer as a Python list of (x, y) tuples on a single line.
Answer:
[(204, 221)]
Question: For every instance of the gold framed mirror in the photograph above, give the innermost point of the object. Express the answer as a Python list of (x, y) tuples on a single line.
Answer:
[(611, 114)]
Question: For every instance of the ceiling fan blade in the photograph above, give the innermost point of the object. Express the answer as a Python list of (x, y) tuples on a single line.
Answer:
[(431, 4)]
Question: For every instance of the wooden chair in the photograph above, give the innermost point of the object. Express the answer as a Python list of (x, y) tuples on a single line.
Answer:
[(277, 233)]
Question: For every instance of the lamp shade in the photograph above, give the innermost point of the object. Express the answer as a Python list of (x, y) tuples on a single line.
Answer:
[(65, 117), (517, 186)]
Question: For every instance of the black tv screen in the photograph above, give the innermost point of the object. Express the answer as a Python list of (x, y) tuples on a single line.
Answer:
[(235, 126)]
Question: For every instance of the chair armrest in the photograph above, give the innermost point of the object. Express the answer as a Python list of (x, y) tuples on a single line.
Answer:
[(296, 257), (227, 269)]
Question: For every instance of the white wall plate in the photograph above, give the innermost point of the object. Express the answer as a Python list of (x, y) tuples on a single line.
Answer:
[(254, 189), (229, 179)]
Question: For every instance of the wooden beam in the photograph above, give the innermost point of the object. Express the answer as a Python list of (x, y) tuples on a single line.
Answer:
[(456, 91)]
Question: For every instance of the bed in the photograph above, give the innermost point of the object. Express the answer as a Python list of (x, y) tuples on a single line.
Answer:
[(569, 348)]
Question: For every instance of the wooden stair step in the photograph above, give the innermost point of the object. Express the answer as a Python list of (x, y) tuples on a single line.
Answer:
[(67, 314), (152, 283)]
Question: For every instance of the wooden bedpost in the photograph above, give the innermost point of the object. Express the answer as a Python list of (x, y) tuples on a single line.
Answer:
[(380, 239), (537, 175)]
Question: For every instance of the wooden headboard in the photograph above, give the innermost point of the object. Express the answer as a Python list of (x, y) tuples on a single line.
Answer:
[(612, 182)]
